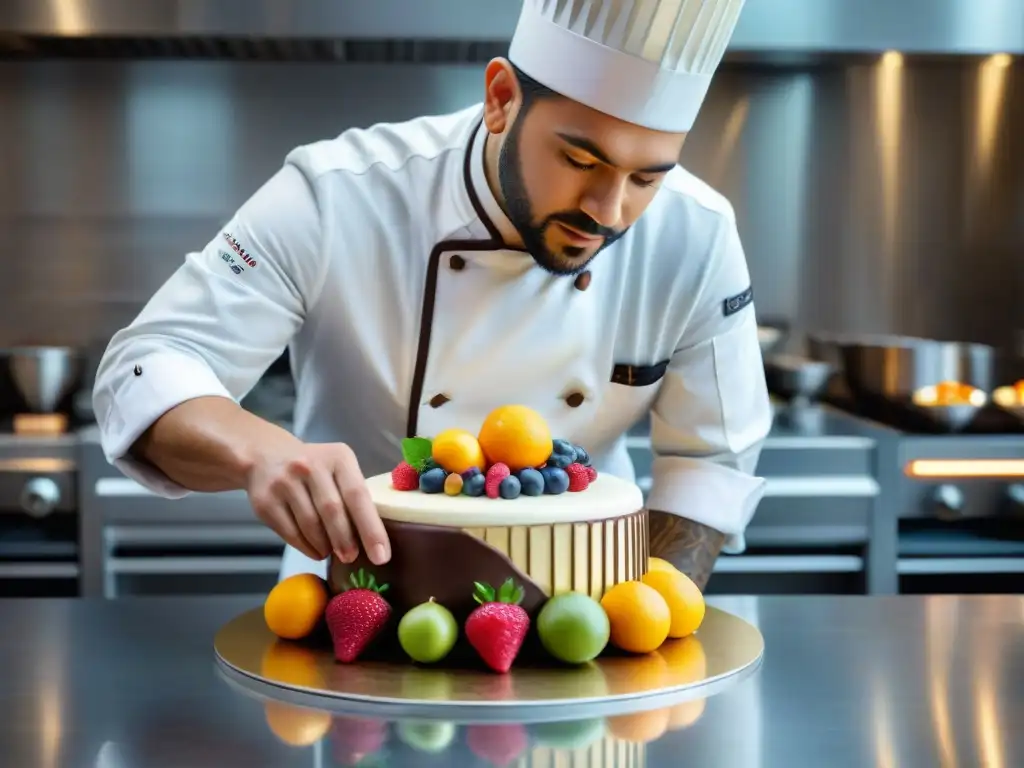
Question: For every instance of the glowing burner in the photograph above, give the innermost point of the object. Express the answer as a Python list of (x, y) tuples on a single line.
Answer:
[(40, 424)]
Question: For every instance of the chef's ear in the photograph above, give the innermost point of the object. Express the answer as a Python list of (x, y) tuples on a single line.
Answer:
[(501, 96)]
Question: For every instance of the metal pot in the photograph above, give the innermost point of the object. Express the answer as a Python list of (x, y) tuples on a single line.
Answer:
[(893, 372), (897, 369), (43, 376)]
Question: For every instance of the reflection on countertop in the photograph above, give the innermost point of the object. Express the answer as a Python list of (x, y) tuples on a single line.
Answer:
[(846, 682)]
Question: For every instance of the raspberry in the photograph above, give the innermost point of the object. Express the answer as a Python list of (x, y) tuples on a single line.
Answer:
[(405, 477), (579, 478), (495, 475), (591, 474)]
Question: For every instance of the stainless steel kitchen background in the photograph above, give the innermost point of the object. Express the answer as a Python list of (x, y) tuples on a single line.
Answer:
[(875, 193)]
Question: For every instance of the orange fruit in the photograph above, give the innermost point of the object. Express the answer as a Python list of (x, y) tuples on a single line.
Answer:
[(638, 615), (517, 436), (295, 606), (640, 727), (296, 726), (657, 564), (685, 602), (457, 450)]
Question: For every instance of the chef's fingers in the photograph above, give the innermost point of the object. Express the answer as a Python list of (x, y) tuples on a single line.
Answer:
[(360, 507), (278, 518), (327, 500), (292, 490)]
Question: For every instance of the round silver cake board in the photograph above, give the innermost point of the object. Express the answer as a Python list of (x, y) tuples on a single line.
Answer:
[(725, 650)]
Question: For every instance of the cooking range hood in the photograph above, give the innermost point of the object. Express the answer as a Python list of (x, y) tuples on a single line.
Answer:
[(467, 30)]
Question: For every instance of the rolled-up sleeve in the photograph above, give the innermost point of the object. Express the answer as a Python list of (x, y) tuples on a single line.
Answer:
[(216, 325), (712, 412)]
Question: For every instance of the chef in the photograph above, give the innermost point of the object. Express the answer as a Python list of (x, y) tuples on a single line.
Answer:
[(542, 247)]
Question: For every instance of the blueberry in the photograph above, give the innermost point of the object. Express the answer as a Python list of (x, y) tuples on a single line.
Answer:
[(474, 485), (560, 460), (582, 457), (471, 472), (430, 464), (510, 487), (532, 482), (432, 481), (564, 448), (556, 480)]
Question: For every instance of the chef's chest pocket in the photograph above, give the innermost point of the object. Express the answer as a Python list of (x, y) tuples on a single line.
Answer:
[(627, 398)]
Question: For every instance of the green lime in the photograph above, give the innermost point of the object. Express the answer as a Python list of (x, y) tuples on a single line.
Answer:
[(427, 736), (428, 632), (573, 627)]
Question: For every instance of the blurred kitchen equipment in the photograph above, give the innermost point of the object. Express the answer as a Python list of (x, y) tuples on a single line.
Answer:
[(771, 333), (769, 337), (800, 380), (895, 371), (1010, 398), (43, 376)]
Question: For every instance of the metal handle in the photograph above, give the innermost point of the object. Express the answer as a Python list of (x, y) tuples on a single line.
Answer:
[(39, 570), (193, 566), (219, 536), (948, 501), (40, 496), (789, 564)]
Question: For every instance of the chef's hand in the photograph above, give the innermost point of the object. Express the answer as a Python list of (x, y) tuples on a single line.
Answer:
[(314, 496)]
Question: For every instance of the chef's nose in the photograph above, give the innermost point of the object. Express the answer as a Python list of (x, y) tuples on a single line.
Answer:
[(602, 201)]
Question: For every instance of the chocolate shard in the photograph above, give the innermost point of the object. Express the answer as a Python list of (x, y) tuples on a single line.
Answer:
[(429, 561)]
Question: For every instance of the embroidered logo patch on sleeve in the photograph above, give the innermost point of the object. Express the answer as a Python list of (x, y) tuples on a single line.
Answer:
[(734, 304)]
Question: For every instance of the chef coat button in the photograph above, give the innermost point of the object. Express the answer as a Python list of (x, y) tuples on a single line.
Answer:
[(457, 263), (582, 281), (137, 370), (438, 400), (575, 400)]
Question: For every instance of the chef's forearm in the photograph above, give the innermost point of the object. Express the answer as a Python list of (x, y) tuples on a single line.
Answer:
[(691, 547), (207, 444)]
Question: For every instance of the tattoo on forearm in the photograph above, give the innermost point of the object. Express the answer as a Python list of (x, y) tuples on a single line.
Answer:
[(691, 547)]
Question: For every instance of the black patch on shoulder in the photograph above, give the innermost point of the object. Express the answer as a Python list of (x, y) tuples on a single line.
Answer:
[(639, 375), (734, 304)]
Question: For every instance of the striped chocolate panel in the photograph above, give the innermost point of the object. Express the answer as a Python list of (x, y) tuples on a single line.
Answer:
[(585, 557), (606, 753)]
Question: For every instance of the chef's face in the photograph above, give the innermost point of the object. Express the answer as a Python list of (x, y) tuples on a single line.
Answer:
[(573, 179)]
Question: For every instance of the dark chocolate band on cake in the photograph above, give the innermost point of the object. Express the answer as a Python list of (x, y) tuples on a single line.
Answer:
[(430, 561)]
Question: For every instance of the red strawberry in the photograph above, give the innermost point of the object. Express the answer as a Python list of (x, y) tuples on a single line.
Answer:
[(579, 477), (353, 738), (497, 628), (495, 475), (591, 474), (499, 745), (405, 477), (356, 616)]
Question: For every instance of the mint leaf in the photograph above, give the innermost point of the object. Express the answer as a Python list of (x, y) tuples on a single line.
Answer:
[(416, 451)]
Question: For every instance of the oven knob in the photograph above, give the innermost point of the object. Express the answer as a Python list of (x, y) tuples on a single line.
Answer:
[(1016, 494), (39, 496), (949, 501)]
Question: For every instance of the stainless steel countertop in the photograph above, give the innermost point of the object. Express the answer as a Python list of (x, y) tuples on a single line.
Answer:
[(900, 681)]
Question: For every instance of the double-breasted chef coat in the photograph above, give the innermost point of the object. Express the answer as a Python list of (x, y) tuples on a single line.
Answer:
[(377, 258)]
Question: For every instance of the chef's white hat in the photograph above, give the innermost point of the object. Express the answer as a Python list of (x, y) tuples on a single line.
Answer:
[(648, 62)]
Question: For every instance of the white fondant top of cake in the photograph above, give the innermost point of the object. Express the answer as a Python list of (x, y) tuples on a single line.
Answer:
[(606, 497)]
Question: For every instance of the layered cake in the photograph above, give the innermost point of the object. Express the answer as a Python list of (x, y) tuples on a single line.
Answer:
[(496, 537)]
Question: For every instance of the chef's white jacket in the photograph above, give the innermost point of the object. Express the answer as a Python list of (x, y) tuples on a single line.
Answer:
[(377, 258)]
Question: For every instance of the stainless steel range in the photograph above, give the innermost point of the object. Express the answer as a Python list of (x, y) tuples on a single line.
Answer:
[(950, 458), (39, 521)]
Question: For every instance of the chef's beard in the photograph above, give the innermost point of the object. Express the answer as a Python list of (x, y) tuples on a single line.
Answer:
[(517, 203)]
